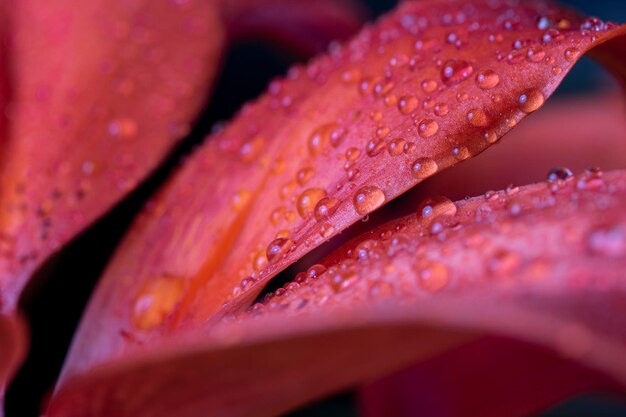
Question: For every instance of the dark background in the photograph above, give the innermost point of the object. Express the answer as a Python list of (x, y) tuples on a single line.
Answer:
[(76, 268)]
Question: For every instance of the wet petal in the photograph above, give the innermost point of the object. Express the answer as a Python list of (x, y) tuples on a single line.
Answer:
[(540, 264), (426, 87)]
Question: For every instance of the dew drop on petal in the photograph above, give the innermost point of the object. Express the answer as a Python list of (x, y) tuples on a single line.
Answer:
[(423, 168), (308, 199), (368, 199), (278, 248), (530, 101)]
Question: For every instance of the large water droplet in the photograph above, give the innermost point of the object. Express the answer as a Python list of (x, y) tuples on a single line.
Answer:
[(408, 104), (156, 301), (530, 101), (308, 199), (455, 71), (368, 199), (423, 168), (427, 128), (487, 79), (278, 248)]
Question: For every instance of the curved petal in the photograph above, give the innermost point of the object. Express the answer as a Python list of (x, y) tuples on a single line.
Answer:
[(14, 343), (426, 87), (492, 377), (543, 264), (98, 99)]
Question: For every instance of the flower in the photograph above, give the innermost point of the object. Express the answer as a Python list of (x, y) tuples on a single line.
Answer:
[(173, 327)]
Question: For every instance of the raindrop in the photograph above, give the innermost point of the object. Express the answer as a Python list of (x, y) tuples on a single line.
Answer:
[(368, 199)]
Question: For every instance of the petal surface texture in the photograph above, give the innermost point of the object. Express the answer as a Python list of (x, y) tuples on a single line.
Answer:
[(426, 87), (542, 264)]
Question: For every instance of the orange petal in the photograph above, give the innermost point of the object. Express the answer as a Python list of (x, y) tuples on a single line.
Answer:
[(542, 264), (426, 87)]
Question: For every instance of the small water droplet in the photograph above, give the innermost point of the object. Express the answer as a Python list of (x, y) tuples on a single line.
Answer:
[(326, 230), (455, 71), (477, 117), (427, 128), (434, 277), (559, 174), (278, 249), (308, 199), (530, 101), (407, 104), (487, 79), (423, 168)]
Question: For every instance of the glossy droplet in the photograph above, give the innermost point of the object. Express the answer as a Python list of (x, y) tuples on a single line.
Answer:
[(326, 207), (308, 199), (339, 279), (396, 146), (559, 174), (326, 230), (429, 86), (156, 301), (423, 168), (123, 128), (368, 199), (320, 137), (441, 109), (375, 147), (304, 175), (434, 277), (278, 248), (530, 101), (251, 149), (535, 54), (408, 104), (437, 206), (427, 128), (477, 117), (240, 200), (487, 79), (259, 261), (454, 72), (608, 241)]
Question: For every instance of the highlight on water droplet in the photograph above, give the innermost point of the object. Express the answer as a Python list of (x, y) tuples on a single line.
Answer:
[(487, 79), (308, 199), (530, 101), (455, 71), (156, 301), (278, 248), (368, 199), (434, 276), (427, 128), (423, 168)]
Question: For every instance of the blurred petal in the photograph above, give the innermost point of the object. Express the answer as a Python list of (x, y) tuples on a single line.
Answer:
[(492, 377), (543, 264), (416, 93), (101, 91), (13, 341), (305, 27)]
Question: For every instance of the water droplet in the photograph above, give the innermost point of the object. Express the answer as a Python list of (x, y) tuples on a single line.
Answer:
[(559, 174), (240, 199), (608, 241), (427, 128), (441, 109), (487, 79), (530, 101), (320, 137), (259, 261), (535, 54), (326, 207), (437, 206), (396, 146), (251, 149), (304, 175), (375, 147), (352, 153), (423, 168), (478, 118), (429, 85), (123, 128), (434, 277), (326, 230), (368, 199), (503, 263), (407, 104), (156, 301), (454, 72), (339, 279), (571, 54), (308, 199), (278, 249)]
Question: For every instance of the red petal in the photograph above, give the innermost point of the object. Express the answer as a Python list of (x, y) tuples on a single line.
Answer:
[(542, 264), (306, 28), (242, 207), (98, 99), (492, 377), (102, 90), (13, 341)]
